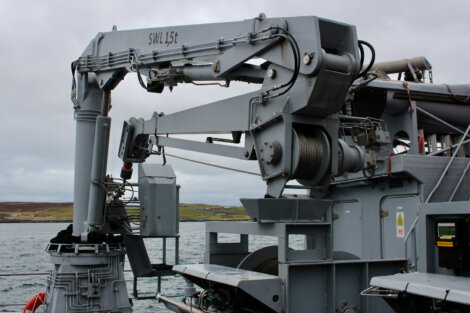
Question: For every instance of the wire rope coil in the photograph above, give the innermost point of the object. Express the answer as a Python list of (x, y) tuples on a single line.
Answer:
[(312, 153)]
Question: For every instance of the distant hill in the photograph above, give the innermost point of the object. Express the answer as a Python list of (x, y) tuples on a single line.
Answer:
[(36, 211), (63, 212), (31, 206)]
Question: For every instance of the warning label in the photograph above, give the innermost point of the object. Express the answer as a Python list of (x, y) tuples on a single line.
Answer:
[(400, 225)]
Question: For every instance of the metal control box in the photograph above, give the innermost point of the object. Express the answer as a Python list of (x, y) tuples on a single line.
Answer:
[(159, 201), (453, 242)]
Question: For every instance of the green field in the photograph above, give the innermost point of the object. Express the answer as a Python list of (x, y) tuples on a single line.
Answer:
[(205, 212), (17, 212)]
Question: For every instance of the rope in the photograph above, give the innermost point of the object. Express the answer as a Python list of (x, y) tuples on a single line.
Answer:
[(37, 298), (405, 84), (208, 164), (310, 154)]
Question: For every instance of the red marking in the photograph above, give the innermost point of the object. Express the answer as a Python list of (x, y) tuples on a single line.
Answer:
[(421, 144), (35, 302)]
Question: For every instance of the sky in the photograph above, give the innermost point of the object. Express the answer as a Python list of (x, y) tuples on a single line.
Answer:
[(39, 40)]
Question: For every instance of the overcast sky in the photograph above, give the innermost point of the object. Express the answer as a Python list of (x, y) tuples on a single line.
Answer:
[(39, 40)]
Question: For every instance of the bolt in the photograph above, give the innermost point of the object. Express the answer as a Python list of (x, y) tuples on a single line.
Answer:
[(246, 154), (307, 58), (216, 67), (272, 73)]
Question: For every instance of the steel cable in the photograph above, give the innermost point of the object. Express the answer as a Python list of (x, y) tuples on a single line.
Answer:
[(310, 155), (206, 163)]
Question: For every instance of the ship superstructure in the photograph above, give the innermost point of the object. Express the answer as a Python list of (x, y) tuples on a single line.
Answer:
[(371, 171)]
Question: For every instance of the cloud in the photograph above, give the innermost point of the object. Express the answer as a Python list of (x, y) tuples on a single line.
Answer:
[(40, 39)]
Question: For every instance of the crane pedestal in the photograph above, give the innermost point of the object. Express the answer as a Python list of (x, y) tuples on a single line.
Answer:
[(87, 278)]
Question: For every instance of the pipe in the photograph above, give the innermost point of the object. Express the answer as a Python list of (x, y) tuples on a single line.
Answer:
[(189, 289), (96, 201), (398, 66), (89, 107), (447, 102), (97, 196), (184, 308), (106, 102)]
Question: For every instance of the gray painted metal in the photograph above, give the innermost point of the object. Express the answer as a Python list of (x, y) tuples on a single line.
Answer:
[(334, 61), (204, 147), (159, 201), (89, 97), (86, 278), (427, 250), (286, 210), (429, 97), (365, 170), (446, 168), (436, 286), (178, 306), (309, 273), (156, 170), (428, 170), (96, 201), (418, 63), (263, 287)]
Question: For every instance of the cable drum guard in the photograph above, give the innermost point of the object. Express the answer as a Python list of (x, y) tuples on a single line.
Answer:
[(311, 158)]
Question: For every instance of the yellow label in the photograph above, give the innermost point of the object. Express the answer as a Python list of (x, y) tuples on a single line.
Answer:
[(400, 219), (445, 237), (445, 244)]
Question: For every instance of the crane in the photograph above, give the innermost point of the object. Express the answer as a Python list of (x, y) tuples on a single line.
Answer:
[(378, 167)]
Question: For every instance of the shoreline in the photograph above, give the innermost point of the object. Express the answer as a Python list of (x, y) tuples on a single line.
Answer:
[(70, 221), (48, 212), (32, 221)]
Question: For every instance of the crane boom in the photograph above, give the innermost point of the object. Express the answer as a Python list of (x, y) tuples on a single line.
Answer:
[(380, 172)]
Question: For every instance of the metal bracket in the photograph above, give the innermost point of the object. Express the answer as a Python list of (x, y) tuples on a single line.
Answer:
[(374, 291)]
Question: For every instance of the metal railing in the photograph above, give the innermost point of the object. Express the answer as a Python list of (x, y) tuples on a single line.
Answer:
[(438, 183)]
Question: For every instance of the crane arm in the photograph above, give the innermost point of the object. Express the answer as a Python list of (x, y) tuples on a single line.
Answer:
[(308, 66)]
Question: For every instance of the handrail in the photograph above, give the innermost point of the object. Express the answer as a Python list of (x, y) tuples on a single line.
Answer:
[(24, 274), (460, 181), (439, 120), (444, 172), (12, 304), (439, 181), (37, 273)]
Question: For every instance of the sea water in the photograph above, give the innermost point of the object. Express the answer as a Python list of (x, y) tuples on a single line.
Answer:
[(22, 250)]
